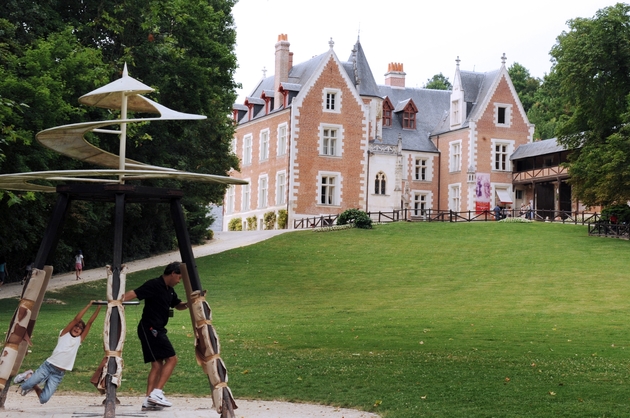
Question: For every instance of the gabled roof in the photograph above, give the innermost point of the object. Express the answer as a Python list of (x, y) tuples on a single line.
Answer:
[(431, 105), (357, 69), (400, 106), (477, 87), (485, 85), (534, 149)]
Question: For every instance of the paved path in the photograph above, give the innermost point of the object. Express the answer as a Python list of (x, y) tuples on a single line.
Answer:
[(223, 241), (90, 404)]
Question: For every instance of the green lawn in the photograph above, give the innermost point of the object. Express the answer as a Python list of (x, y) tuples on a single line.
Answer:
[(406, 320)]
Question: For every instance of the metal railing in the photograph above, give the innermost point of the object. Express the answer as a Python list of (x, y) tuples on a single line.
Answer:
[(430, 215), (608, 229)]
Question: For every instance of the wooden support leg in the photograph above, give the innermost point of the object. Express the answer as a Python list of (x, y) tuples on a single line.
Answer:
[(183, 240), (46, 249), (201, 318), (116, 312)]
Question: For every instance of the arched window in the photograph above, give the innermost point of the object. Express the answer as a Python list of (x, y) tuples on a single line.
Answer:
[(379, 183)]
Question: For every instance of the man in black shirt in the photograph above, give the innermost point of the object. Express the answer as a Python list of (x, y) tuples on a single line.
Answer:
[(159, 298)]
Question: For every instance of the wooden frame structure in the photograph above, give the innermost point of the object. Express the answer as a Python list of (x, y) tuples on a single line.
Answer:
[(108, 184)]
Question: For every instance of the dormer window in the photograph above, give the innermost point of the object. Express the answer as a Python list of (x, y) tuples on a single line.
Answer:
[(409, 110), (388, 110), (409, 119)]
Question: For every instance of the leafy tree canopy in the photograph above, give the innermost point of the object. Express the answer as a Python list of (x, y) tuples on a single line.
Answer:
[(53, 52), (526, 86), (438, 82), (591, 66)]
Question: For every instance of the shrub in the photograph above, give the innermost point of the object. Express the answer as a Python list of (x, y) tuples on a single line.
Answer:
[(252, 223), (270, 220), (333, 228), (359, 218), (620, 212), (283, 218), (235, 224), (516, 220)]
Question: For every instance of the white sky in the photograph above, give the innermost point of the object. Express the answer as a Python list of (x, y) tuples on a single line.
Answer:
[(425, 35)]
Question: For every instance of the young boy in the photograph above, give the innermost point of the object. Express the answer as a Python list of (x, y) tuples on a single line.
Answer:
[(61, 360)]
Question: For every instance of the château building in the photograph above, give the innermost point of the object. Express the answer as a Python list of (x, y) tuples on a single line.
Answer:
[(322, 136)]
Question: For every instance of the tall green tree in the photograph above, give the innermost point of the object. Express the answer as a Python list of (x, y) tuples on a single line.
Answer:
[(438, 82), (526, 86), (548, 108), (53, 52), (592, 65)]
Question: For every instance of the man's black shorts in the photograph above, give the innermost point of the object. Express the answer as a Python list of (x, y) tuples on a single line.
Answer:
[(155, 344)]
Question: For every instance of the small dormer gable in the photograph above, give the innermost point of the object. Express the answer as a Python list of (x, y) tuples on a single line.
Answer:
[(406, 112), (238, 112), (255, 105), (268, 96), (288, 92)]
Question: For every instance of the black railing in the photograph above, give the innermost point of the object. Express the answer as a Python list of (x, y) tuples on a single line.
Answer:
[(608, 229), (315, 222), (430, 215)]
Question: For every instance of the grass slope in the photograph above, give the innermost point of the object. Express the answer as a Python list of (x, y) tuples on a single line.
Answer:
[(407, 320)]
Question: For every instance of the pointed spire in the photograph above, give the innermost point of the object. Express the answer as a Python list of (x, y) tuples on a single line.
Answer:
[(457, 61), (125, 73)]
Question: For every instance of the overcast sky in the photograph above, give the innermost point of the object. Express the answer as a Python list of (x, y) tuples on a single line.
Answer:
[(426, 36)]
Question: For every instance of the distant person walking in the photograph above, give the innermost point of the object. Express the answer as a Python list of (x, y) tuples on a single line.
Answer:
[(61, 360), (4, 272), (497, 213), (159, 300), (78, 263)]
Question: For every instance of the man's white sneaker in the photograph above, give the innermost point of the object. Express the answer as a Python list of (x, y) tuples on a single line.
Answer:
[(22, 376), (150, 406), (157, 397)]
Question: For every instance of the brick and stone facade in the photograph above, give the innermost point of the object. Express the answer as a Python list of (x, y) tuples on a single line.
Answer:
[(352, 143)]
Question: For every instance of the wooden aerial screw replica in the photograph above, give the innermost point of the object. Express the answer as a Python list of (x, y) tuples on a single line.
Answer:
[(108, 184)]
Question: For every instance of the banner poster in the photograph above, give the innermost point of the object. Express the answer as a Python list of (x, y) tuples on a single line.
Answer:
[(482, 192)]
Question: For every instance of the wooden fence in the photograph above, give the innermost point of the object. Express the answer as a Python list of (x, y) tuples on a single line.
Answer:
[(430, 215), (607, 229)]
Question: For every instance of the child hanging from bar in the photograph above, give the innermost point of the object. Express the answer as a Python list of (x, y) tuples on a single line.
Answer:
[(62, 359)]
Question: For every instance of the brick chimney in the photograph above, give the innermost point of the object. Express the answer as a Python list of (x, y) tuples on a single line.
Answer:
[(395, 76), (284, 61)]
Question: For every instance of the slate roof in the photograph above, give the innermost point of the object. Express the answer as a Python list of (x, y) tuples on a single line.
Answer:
[(431, 106), (360, 72), (533, 149), (357, 68)]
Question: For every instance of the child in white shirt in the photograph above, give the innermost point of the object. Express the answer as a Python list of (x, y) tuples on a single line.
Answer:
[(60, 361)]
